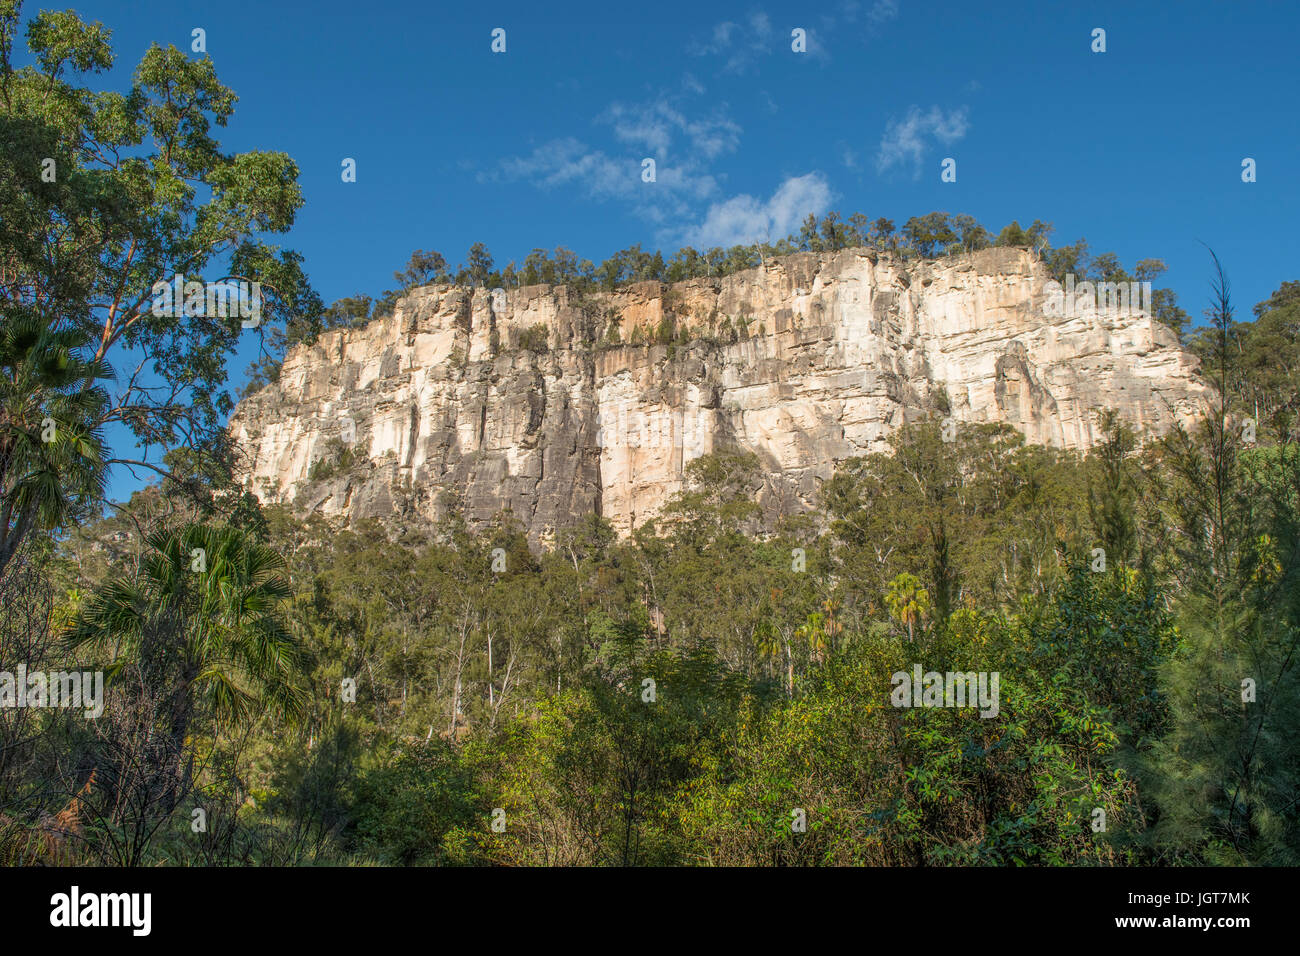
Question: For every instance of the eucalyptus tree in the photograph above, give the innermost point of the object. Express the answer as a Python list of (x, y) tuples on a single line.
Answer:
[(105, 194)]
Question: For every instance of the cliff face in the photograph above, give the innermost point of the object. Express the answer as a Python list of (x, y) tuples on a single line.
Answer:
[(807, 361)]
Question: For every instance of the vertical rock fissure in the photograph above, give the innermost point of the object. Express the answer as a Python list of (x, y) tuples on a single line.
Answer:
[(809, 360)]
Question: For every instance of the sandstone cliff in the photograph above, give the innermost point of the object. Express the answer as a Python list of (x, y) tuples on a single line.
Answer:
[(806, 361)]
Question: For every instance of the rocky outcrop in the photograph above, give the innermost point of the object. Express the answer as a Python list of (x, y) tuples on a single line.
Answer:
[(554, 406)]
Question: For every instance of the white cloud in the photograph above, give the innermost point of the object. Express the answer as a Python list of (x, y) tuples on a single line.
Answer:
[(691, 85), (655, 125), (685, 145), (905, 142), (882, 11), (738, 44), (746, 219), (682, 145), (563, 161)]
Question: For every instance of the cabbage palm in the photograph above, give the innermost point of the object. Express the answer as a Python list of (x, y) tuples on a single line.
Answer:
[(51, 449), (202, 620)]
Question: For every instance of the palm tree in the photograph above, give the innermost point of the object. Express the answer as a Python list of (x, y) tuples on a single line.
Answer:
[(907, 602), (201, 619), (51, 447)]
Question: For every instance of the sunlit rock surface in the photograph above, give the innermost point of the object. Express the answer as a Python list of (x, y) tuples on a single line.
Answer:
[(809, 360)]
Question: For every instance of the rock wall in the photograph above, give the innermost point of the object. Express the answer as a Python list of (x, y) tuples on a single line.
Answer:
[(806, 361)]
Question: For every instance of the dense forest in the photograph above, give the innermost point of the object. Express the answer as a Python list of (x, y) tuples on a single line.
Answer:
[(706, 691), (703, 692)]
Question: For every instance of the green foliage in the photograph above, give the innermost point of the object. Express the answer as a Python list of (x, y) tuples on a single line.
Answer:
[(1264, 381), (52, 408), (338, 458), (879, 785), (690, 694), (534, 338), (203, 614), (1112, 490), (1223, 780), (140, 192), (409, 800)]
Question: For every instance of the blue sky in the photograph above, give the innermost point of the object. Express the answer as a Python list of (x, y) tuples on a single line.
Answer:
[(1137, 149)]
